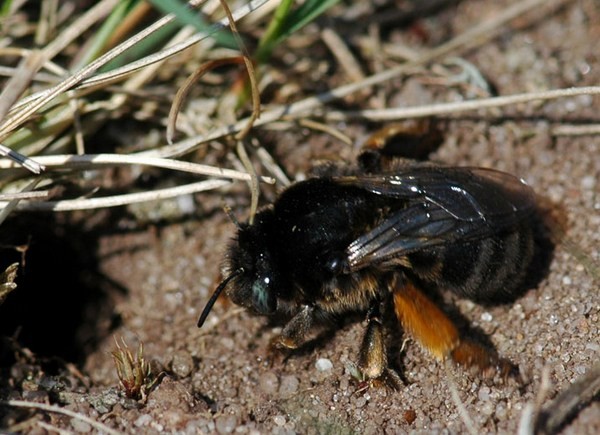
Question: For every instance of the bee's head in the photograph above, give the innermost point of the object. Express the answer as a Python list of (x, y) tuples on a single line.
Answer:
[(250, 273)]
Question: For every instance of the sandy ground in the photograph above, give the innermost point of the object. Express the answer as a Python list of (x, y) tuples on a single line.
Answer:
[(219, 380)]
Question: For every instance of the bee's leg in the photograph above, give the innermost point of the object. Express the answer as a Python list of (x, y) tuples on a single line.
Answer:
[(434, 331), (387, 148), (373, 363), (372, 360), (471, 354), (295, 331)]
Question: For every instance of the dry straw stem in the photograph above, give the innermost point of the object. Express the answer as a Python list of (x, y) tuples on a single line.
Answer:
[(32, 62), (150, 64), (241, 150), (7, 281), (576, 396), (32, 104), (468, 40), (187, 85), (35, 59), (30, 164), (531, 409), (397, 113), (120, 200), (7, 208), (460, 406), (91, 161), (51, 408), (575, 130), (95, 161)]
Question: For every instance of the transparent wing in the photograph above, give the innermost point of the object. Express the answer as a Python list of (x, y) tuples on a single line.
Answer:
[(443, 205)]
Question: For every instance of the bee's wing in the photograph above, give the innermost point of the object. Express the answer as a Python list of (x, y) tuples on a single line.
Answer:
[(443, 205)]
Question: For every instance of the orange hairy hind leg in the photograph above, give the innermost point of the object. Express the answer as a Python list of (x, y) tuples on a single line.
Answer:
[(425, 322), (434, 331)]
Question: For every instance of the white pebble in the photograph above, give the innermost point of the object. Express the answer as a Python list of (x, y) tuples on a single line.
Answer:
[(323, 364), (486, 317), (279, 420), (588, 183), (143, 420)]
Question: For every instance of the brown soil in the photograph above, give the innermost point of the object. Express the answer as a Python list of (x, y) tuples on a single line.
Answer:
[(112, 275)]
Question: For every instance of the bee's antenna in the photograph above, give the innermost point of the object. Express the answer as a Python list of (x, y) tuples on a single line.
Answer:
[(230, 214), (215, 296)]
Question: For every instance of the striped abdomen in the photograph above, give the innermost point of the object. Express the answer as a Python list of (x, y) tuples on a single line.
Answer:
[(492, 269)]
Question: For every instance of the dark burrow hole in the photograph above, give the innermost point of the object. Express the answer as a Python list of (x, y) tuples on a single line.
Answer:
[(63, 304)]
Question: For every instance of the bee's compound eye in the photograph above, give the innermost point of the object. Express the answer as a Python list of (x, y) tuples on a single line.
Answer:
[(263, 296)]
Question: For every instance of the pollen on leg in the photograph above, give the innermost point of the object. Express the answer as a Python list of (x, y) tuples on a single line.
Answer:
[(473, 355), (427, 323)]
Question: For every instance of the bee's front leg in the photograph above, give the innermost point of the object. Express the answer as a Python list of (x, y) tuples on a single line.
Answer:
[(296, 330)]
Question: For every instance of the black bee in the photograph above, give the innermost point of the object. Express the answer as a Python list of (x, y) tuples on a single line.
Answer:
[(379, 239)]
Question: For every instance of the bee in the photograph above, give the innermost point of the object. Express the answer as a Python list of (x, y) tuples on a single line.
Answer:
[(382, 238)]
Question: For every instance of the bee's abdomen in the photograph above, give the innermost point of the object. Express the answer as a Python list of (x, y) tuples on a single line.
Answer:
[(492, 269)]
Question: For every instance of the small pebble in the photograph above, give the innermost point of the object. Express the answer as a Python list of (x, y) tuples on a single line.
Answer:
[(500, 411), (80, 426), (269, 382), (486, 317), (182, 364), (487, 409), (143, 420), (289, 385), (588, 183), (323, 364), (226, 423), (484, 393), (360, 402), (279, 420)]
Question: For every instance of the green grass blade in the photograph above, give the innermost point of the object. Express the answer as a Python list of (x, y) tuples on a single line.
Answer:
[(188, 16), (5, 7), (306, 13)]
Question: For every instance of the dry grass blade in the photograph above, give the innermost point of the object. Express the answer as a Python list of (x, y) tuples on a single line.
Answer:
[(22, 160), (119, 200), (342, 53), (243, 155), (7, 207), (472, 38), (397, 113), (14, 120), (19, 81), (35, 102), (319, 126), (576, 130), (241, 150), (35, 59), (39, 194), (577, 395), (7, 281), (251, 73), (94, 161), (270, 165), (460, 406), (528, 416), (299, 109), (51, 408), (187, 85)]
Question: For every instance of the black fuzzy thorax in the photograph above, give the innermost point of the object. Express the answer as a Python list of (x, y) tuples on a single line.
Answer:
[(312, 224)]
